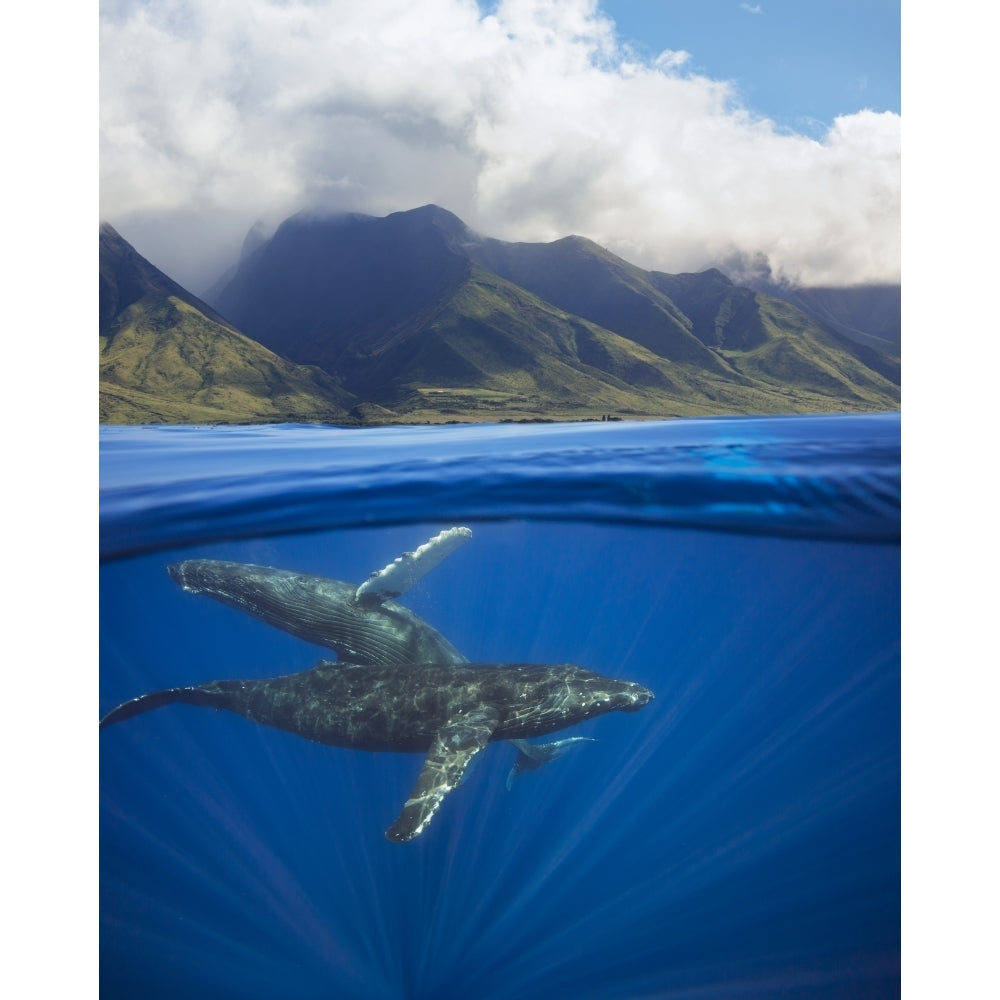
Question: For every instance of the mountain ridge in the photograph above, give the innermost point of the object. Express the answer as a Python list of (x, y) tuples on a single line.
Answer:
[(168, 357), (414, 317)]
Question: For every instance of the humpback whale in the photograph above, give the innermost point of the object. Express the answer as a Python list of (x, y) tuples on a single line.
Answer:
[(360, 623), (447, 711), (531, 756)]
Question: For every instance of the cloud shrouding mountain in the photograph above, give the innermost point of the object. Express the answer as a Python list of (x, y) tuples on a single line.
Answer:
[(530, 123)]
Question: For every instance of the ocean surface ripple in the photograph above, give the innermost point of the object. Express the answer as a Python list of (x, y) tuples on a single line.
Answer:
[(820, 477)]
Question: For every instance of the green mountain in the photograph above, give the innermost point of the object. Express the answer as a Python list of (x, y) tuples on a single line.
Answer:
[(420, 316), (772, 340), (168, 357), (580, 277), (868, 314)]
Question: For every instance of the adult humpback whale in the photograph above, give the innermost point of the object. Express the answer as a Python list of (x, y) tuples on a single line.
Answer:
[(360, 623), (448, 711)]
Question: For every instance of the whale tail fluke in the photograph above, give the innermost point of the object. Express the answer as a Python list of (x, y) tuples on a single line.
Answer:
[(156, 699)]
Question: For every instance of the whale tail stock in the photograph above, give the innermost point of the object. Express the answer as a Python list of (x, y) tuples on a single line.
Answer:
[(169, 696)]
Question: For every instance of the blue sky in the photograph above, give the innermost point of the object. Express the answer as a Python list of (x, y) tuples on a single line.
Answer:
[(800, 62), (680, 135)]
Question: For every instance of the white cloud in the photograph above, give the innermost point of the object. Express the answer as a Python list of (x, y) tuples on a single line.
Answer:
[(530, 123)]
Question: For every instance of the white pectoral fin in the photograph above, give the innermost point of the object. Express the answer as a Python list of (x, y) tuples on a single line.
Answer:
[(403, 573), (453, 748), (532, 756)]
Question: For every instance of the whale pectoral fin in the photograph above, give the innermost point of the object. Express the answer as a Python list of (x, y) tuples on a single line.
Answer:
[(531, 756), (403, 573), (454, 747)]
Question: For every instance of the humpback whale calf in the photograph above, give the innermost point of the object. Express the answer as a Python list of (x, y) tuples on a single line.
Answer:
[(447, 711), (531, 756), (360, 623)]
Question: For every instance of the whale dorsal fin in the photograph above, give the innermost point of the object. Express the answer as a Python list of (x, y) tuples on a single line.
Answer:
[(404, 572), (532, 756), (455, 745)]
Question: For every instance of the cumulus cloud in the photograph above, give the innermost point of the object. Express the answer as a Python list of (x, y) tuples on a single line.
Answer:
[(531, 121)]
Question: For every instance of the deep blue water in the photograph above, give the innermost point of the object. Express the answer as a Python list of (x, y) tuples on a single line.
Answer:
[(738, 837)]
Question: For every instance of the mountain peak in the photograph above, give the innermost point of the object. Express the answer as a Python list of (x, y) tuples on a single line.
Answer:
[(432, 213), (415, 220)]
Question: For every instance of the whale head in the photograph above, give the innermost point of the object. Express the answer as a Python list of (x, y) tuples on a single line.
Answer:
[(566, 693), (632, 697), (613, 695)]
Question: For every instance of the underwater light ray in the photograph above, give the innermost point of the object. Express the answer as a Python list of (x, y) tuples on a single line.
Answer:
[(358, 888), (153, 925), (283, 897), (709, 869), (860, 687), (815, 810), (455, 904), (811, 722), (168, 931), (751, 692), (514, 917), (571, 852), (536, 879), (488, 875), (208, 808), (467, 867), (260, 886), (636, 918), (362, 831), (574, 857), (528, 918), (321, 825), (493, 853), (713, 863), (823, 801)]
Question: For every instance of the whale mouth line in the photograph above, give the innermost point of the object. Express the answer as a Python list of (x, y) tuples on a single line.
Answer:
[(638, 700), (178, 575)]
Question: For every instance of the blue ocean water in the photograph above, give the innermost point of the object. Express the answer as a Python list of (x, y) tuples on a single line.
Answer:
[(737, 837)]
